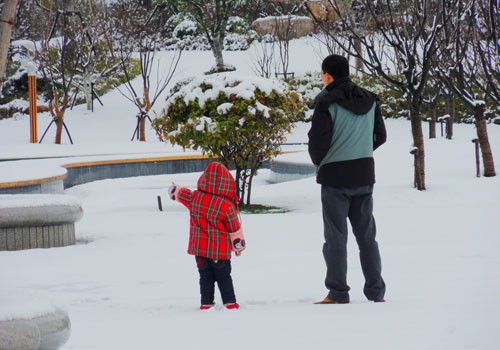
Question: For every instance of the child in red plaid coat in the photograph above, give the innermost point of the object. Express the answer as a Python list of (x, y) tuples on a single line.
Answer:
[(215, 231)]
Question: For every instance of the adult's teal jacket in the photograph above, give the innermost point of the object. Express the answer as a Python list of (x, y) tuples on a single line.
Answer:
[(347, 126)]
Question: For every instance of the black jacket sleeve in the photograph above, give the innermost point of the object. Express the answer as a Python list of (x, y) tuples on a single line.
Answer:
[(320, 134), (379, 132)]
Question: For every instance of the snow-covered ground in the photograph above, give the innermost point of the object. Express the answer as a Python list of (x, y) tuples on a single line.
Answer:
[(129, 284)]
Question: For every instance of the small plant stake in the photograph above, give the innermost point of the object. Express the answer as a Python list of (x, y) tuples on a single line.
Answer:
[(416, 178), (478, 166), (159, 203), (442, 120), (33, 109)]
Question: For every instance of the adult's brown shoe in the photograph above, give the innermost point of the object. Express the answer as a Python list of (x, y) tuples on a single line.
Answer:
[(330, 301)]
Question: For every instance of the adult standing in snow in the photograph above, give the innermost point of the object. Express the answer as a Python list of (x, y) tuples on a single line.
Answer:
[(347, 126)]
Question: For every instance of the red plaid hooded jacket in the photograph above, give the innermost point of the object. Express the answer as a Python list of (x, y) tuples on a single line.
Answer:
[(213, 213)]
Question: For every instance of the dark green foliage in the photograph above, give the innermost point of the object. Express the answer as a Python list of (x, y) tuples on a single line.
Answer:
[(240, 132)]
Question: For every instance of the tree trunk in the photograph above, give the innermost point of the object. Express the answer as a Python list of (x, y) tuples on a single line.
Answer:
[(418, 142), (249, 192), (482, 135), (87, 90), (359, 60), (59, 128), (6, 25), (142, 129), (237, 181), (432, 123), (217, 51), (450, 110)]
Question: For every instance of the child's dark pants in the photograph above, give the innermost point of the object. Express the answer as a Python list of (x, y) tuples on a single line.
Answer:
[(212, 271)]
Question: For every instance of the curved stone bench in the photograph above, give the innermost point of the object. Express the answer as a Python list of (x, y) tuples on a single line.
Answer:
[(29, 322), (38, 221)]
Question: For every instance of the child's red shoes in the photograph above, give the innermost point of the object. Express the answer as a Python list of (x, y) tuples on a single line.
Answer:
[(229, 306), (232, 306)]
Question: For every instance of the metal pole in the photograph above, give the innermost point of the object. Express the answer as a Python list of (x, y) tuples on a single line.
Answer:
[(33, 109)]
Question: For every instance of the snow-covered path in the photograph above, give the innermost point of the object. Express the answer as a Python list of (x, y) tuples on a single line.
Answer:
[(129, 284)]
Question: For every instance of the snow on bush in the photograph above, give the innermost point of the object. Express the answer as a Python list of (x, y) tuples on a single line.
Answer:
[(188, 35), (242, 120)]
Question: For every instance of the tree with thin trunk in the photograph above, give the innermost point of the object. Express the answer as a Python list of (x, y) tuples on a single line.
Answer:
[(212, 16), (7, 17), (56, 56), (283, 32), (485, 22), (96, 59), (141, 36), (432, 94), (409, 31), (464, 76)]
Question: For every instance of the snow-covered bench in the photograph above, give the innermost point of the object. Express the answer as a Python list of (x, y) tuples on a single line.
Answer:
[(38, 221)]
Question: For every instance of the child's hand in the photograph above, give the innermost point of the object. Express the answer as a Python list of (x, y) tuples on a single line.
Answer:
[(171, 191), (238, 253)]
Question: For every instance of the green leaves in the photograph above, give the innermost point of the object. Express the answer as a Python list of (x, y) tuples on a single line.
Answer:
[(243, 132)]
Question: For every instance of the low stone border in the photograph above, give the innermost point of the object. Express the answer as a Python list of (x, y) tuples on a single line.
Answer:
[(29, 321), (80, 173), (83, 172), (38, 221), (53, 185), (282, 171)]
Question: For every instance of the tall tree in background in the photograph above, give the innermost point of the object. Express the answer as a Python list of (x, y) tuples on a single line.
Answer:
[(6, 24), (460, 69), (140, 34), (96, 59), (485, 21), (409, 30), (58, 54), (212, 16)]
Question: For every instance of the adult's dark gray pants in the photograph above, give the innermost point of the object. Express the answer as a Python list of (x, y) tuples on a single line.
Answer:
[(355, 203)]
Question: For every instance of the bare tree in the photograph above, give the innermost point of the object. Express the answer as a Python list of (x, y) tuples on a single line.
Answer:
[(56, 58), (485, 21), (264, 58), (284, 22), (410, 30), (96, 59), (6, 24), (432, 94), (144, 39), (463, 73), (212, 16)]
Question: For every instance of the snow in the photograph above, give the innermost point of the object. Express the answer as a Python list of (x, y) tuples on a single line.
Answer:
[(235, 83), (129, 283), (28, 201), (26, 304)]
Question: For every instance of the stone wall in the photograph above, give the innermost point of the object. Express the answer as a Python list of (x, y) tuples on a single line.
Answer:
[(279, 26)]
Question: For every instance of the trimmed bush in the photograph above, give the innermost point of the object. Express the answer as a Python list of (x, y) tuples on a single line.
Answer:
[(240, 120)]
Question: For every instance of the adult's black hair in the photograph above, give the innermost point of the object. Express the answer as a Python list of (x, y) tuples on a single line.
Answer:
[(335, 65)]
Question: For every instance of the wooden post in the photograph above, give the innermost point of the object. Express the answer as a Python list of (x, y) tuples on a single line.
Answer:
[(159, 203), (478, 164), (416, 176), (33, 109)]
